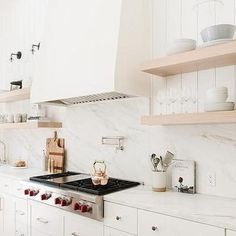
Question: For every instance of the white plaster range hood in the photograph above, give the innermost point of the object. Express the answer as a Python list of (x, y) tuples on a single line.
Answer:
[(92, 51)]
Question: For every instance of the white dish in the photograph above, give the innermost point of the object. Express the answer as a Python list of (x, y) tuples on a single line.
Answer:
[(181, 45), (218, 90), (216, 32), (216, 97), (221, 106), (215, 42), (23, 167)]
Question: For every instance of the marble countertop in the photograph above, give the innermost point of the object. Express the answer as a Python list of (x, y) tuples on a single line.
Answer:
[(212, 210), (21, 174)]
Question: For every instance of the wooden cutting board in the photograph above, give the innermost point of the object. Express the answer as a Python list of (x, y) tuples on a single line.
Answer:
[(55, 150)]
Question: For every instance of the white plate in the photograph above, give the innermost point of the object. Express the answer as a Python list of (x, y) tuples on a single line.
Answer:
[(221, 106), (24, 167), (215, 42)]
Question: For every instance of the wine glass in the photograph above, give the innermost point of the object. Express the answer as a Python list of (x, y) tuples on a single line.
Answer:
[(185, 99), (161, 98), (172, 99)]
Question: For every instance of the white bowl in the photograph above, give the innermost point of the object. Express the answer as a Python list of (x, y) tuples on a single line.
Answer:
[(217, 97), (221, 106), (181, 45), (218, 90), (215, 32)]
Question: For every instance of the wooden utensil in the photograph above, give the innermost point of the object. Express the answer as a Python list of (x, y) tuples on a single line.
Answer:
[(56, 154)]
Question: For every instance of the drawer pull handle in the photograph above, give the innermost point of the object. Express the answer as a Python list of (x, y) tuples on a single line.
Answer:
[(118, 218), (41, 220), (154, 228), (75, 234)]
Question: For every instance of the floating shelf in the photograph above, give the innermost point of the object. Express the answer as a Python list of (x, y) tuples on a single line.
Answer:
[(224, 117), (31, 125), (15, 95), (200, 59)]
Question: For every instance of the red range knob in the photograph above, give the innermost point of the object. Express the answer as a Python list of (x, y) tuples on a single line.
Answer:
[(65, 202), (77, 206), (57, 200), (26, 191), (45, 196), (84, 208), (33, 193)]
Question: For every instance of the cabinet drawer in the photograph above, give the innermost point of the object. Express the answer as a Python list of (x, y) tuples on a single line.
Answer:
[(113, 232), (21, 211), (6, 185), (82, 226), (151, 224), (21, 229), (230, 233), (36, 232), (121, 217), (18, 190), (46, 219)]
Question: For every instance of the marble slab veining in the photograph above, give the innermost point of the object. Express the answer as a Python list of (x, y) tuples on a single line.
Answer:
[(212, 210)]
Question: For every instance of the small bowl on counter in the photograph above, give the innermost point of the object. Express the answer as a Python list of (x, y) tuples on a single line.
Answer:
[(181, 45), (218, 32)]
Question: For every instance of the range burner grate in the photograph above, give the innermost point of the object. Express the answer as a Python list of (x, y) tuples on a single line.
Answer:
[(87, 186)]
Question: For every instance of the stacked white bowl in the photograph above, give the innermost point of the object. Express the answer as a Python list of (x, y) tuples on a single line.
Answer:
[(217, 100)]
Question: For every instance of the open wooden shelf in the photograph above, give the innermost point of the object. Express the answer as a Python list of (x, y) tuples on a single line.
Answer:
[(200, 59), (15, 95), (223, 117), (31, 125)]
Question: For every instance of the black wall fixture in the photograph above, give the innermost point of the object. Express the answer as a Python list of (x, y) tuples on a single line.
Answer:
[(35, 46), (18, 55)]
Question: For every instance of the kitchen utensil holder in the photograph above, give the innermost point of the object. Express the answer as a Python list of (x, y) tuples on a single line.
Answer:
[(116, 141), (159, 181)]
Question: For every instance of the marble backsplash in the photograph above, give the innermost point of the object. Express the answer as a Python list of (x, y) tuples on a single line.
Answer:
[(213, 147)]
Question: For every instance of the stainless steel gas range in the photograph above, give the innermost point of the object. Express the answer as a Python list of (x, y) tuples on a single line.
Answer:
[(73, 192)]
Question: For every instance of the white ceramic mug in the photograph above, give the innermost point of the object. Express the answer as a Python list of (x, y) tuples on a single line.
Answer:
[(17, 118), (158, 181), (9, 118)]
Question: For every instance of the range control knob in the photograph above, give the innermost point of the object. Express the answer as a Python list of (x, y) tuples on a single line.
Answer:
[(85, 208), (77, 206), (58, 200), (65, 202), (26, 191), (33, 193), (45, 196)]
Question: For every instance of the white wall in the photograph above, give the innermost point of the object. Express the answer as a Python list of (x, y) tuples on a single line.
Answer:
[(213, 147)]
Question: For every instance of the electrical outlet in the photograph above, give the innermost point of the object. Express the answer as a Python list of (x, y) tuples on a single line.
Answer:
[(211, 179)]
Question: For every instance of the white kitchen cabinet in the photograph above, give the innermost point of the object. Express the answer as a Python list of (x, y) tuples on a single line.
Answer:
[(8, 215), (151, 224), (93, 47), (76, 225), (113, 232), (1, 215), (121, 217), (45, 219), (21, 217), (36, 232), (230, 233)]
